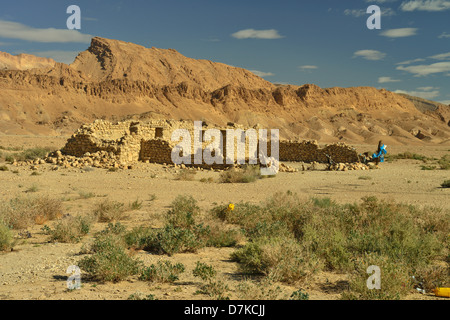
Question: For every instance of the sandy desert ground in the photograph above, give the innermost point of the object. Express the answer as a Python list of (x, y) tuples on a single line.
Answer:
[(36, 269)]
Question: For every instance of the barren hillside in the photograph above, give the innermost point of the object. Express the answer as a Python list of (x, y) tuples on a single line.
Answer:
[(115, 80)]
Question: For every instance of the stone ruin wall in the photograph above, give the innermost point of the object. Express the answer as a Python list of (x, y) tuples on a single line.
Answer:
[(133, 141)]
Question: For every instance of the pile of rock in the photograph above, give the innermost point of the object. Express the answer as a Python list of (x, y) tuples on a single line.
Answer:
[(100, 159), (286, 168), (352, 166)]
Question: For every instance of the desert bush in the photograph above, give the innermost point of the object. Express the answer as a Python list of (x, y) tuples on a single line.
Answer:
[(140, 238), (395, 279), (221, 236), (136, 205), (281, 259), (32, 154), (140, 296), (204, 271), (170, 240), (406, 155), (109, 211), (182, 212), (186, 175), (215, 289), (207, 180), (70, 230), (34, 188), (4, 168), (248, 174), (444, 162), (261, 290), (299, 295), (5, 237), (86, 195), (445, 184), (180, 233), (110, 261), (21, 213), (163, 272)]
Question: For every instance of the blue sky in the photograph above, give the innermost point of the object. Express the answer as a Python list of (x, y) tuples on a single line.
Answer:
[(325, 42)]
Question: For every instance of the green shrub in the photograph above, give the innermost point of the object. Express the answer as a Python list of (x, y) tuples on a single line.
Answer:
[(163, 271), (110, 261), (182, 212), (204, 271), (220, 237), (445, 184), (5, 237), (171, 240), (299, 295), (4, 168)]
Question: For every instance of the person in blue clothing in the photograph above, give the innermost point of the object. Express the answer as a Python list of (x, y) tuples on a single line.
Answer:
[(379, 155)]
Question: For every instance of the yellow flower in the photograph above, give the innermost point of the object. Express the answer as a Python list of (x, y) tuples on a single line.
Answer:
[(231, 207)]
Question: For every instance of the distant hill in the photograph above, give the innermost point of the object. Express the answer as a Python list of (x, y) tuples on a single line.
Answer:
[(114, 80)]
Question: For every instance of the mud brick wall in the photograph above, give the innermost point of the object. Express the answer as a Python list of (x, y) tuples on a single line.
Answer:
[(156, 151), (309, 151)]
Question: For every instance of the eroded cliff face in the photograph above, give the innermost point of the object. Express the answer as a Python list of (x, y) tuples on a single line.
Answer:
[(115, 79)]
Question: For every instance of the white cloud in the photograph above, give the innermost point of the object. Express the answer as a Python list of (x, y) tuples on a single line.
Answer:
[(262, 74), (400, 33), (370, 54), (444, 35), (15, 30), (442, 56), (387, 80), (257, 34), (427, 88), (385, 12), (410, 61), (355, 12), (425, 5), (66, 57), (425, 70), (421, 94), (445, 102), (308, 67)]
